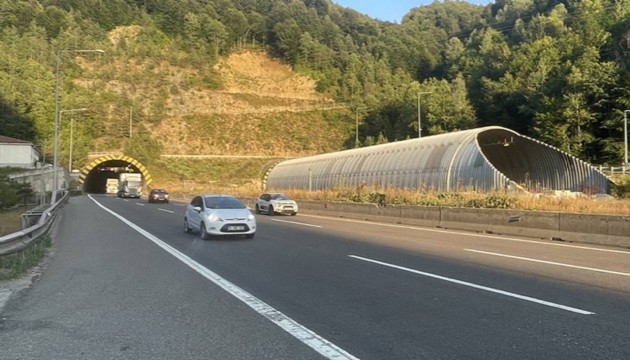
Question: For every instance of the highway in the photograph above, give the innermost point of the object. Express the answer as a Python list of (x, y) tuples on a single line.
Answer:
[(125, 281)]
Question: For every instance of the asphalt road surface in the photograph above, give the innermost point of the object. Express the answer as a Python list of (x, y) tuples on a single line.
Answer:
[(125, 282)]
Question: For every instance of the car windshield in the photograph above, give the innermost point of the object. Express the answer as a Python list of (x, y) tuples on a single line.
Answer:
[(280, 197), (223, 202), (160, 191)]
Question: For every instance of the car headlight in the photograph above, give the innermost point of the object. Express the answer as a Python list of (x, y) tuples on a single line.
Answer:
[(250, 217), (213, 217)]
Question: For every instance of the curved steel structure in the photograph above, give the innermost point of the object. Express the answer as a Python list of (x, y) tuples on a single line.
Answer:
[(483, 159)]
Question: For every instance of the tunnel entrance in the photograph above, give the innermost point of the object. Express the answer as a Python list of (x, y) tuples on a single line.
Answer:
[(94, 176)]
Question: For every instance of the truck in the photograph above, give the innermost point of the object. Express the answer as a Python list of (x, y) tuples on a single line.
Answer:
[(111, 186), (130, 185)]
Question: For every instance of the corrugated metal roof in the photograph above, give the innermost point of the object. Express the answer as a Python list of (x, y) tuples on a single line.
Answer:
[(10, 140), (482, 159)]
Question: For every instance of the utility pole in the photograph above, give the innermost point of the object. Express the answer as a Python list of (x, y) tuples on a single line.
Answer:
[(55, 186), (420, 113), (356, 132), (356, 125), (130, 122), (625, 137), (71, 132)]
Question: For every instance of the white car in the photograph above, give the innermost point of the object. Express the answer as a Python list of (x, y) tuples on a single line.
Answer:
[(219, 215), (276, 203)]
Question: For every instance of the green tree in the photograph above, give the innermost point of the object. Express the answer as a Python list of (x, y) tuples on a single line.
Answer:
[(287, 35), (143, 148)]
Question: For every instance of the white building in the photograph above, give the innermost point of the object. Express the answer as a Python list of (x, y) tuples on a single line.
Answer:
[(17, 153)]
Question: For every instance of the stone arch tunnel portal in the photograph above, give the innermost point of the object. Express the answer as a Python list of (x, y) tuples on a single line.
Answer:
[(95, 174)]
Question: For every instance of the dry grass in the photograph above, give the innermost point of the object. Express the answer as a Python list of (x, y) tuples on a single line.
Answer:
[(238, 178), (497, 200), (11, 221)]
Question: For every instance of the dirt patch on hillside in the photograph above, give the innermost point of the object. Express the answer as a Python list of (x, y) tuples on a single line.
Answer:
[(253, 83), (255, 88), (256, 73), (248, 103)]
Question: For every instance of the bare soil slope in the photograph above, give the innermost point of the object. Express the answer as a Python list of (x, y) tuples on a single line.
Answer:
[(263, 108), (246, 104)]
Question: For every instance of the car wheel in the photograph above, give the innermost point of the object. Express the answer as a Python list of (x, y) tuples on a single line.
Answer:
[(203, 232), (270, 210), (257, 209), (250, 236), (293, 213), (166, 201), (187, 226)]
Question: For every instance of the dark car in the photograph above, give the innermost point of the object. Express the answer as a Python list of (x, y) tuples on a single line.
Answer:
[(158, 195)]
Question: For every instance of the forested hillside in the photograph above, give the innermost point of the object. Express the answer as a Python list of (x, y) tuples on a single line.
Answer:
[(554, 70)]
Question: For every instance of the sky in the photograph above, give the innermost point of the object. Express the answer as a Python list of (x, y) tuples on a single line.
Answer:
[(389, 10)]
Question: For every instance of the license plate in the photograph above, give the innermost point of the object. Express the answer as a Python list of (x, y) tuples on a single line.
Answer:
[(236, 228)]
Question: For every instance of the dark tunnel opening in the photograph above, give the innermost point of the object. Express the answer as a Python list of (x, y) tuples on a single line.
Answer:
[(96, 180), (516, 157)]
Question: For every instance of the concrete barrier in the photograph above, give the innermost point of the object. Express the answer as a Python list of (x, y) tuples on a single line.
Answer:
[(539, 224), (598, 229), (428, 216), (586, 228), (341, 209)]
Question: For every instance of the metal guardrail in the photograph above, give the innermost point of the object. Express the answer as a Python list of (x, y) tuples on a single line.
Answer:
[(22, 239)]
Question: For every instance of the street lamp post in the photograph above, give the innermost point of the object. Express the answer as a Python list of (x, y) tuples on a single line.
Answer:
[(625, 137), (55, 184), (420, 113), (71, 132)]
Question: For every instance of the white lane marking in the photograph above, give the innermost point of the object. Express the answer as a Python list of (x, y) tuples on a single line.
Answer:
[(470, 234), (168, 211), (549, 262), (308, 337), (296, 223), (140, 204), (481, 287)]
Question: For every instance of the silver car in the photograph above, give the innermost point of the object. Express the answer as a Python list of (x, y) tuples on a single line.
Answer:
[(276, 203), (219, 214)]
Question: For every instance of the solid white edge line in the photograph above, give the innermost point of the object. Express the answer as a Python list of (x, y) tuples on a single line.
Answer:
[(481, 287), (306, 336), (549, 262), (468, 234)]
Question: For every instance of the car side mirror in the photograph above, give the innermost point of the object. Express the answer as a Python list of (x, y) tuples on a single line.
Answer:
[(197, 208)]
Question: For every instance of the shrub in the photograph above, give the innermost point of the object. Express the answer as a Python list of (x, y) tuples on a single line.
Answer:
[(500, 202), (621, 188), (12, 192), (15, 265)]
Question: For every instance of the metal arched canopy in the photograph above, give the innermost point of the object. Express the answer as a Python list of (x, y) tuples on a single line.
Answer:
[(482, 159)]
